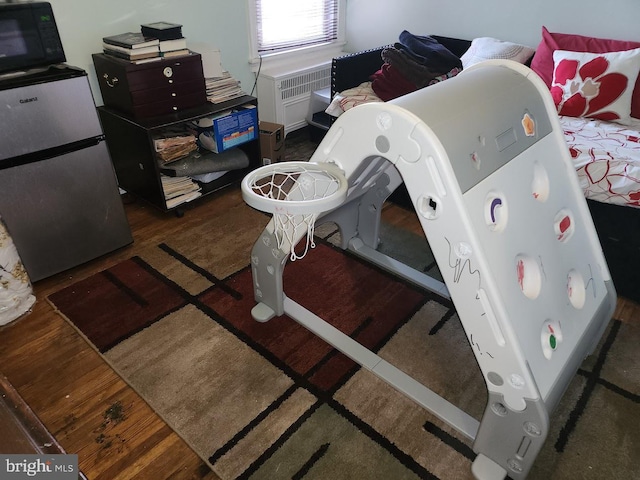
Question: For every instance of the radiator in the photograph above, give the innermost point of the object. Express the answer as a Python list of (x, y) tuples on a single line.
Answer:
[(284, 93)]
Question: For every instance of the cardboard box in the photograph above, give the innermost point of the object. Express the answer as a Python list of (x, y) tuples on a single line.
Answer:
[(271, 142), (228, 130)]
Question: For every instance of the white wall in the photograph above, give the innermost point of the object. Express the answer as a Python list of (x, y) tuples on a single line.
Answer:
[(373, 23), (370, 23), (220, 23)]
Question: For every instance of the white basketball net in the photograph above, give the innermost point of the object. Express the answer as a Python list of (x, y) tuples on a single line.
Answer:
[(287, 226), (289, 190)]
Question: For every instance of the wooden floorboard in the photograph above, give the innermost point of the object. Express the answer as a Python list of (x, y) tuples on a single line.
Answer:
[(22, 431), (85, 405), (73, 391)]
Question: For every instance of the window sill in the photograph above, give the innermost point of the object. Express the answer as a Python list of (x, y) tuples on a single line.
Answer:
[(309, 55)]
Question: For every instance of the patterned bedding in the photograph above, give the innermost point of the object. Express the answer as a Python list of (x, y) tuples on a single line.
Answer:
[(352, 97), (606, 154), (607, 158)]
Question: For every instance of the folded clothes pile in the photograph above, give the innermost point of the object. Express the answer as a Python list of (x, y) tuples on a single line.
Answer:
[(412, 63)]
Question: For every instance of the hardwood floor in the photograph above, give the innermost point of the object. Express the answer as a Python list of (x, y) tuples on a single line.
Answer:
[(85, 405)]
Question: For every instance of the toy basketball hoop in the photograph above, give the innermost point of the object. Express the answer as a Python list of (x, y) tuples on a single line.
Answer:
[(295, 193)]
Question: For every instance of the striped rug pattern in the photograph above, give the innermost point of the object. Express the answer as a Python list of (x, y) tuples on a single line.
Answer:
[(272, 401)]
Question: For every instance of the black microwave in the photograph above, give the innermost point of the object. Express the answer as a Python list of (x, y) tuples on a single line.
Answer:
[(29, 36)]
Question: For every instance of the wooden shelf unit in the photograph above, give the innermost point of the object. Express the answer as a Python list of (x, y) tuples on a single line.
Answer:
[(130, 143)]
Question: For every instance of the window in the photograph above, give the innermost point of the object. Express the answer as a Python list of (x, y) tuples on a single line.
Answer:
[(280, 26)]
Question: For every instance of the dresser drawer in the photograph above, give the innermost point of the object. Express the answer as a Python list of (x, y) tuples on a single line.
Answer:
[(164, 107), (166, 93), (172, 72)]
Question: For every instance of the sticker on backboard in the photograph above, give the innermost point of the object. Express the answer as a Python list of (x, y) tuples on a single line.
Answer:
[(528, 125)]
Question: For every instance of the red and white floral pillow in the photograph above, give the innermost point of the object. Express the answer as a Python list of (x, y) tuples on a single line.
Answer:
[(595, 85)]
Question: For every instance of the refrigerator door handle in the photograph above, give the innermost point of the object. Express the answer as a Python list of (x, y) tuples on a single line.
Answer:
[(50, 152)]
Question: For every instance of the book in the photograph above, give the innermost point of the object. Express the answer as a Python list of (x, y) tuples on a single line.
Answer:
[(131, 57), (146, 60), (129, 51), (175, 53), (162, 30), (175, 44), (131, 40)]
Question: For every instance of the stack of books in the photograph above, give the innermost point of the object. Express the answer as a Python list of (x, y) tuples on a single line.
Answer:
[(153, 42), (169, 35), (132, 46)]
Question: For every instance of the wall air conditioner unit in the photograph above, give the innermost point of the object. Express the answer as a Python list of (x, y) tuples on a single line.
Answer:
[(284, 92)]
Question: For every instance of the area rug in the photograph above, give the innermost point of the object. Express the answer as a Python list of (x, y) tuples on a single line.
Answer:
[(272, 401)]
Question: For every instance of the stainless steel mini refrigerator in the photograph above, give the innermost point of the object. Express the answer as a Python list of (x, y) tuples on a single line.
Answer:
[(59, 196)]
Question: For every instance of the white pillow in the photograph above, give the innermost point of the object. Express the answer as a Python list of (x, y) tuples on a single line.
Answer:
[(487, 48), (595, 85)]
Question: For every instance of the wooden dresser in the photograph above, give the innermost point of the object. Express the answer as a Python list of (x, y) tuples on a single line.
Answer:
[(151, 89)]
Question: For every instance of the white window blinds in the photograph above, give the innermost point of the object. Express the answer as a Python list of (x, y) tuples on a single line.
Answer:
[(289, 24)]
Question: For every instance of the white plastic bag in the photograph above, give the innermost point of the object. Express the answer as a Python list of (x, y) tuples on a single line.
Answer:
[(16, 293)]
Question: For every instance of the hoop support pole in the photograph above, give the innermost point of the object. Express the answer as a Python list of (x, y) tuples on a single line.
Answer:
[(427, 398), (267, 265)]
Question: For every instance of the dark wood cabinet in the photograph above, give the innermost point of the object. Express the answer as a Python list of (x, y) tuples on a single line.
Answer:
[(150, 89), (130, 143)]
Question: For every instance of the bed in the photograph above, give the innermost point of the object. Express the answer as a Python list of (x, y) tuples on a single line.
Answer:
[(604, 139)]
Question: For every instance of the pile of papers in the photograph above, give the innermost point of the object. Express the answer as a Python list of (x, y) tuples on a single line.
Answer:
[(178, 190), (220, 85), (222, 88), (173, 147)]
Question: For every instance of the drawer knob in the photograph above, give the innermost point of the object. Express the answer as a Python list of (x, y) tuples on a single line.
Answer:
[(111, 82)]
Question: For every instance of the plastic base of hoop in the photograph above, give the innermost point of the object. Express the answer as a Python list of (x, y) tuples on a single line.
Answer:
[(262, 313)]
